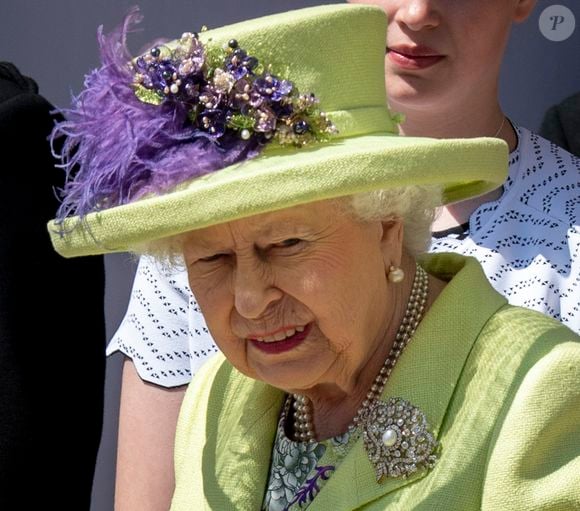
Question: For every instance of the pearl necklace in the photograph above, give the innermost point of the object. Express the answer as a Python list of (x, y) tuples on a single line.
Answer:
[(303, 427)]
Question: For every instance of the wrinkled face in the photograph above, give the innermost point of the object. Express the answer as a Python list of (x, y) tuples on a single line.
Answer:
[(295, 298), (441, 52)]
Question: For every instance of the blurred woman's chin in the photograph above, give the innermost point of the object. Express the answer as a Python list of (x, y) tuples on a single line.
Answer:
[(409, 90)]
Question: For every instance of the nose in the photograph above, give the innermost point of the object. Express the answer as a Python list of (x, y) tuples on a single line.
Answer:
[(253, 289), (418, 15)]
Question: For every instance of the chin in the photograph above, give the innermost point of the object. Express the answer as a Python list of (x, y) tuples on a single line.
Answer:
[(412, 92), (287, 376)]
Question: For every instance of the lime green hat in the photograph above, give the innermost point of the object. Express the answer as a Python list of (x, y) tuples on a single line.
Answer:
[(245, 119)]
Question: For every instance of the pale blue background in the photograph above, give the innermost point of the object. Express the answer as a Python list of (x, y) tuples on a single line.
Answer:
[(54, 42)]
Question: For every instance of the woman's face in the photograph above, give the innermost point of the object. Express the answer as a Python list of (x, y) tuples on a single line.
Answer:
[(440, 52), (296, 298)]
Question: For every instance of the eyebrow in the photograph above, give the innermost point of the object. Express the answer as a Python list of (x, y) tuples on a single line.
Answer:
[(277, 229), (283, 226)]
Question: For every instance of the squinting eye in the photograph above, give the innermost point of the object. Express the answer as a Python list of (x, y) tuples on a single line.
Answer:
[(288, 243), (211, 258)]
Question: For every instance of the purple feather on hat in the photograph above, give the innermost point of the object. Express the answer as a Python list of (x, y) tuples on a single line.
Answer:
[(118, 148), (175, 114)]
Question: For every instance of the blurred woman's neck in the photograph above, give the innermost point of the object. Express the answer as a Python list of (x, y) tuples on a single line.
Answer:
[(478, 117), (475, 118)]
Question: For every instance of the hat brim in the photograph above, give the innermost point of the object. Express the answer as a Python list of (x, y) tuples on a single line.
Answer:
[(279, 179)]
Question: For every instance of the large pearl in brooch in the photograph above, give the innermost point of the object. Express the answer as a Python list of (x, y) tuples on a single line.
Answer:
[(389, 437)]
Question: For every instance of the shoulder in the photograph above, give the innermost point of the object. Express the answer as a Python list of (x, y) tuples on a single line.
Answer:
[(162, 331), (545, 177), (168, 284), (561, 124), (533, 459), (511, 346), (25, 114), (536, 359), (526, 335), (14, 85)]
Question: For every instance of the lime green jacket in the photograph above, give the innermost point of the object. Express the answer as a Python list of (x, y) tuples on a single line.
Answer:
[(500, 387)]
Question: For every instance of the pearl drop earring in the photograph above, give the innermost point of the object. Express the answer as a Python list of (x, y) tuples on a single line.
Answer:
[(395, 275)]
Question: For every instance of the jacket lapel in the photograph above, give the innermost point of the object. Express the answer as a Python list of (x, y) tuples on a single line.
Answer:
[(246, 428), (426, 374)]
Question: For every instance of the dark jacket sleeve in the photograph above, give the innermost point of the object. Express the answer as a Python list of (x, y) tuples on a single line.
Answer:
[(52, 329), (561, 124)]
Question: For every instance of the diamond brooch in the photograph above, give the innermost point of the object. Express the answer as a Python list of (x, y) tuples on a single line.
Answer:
[(396, 439)]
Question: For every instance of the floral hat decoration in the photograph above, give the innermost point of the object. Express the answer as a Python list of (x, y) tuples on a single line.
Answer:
[(245, 119)]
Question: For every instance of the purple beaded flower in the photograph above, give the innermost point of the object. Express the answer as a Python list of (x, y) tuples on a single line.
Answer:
[(227, 92)]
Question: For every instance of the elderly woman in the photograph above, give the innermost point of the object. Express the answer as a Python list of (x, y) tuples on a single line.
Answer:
[(352, 376)]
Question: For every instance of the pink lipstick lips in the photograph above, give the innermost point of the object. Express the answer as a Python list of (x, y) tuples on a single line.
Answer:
[(413, 57), (280, 346)]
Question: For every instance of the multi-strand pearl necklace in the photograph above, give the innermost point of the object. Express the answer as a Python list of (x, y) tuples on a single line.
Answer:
[(303, 427)]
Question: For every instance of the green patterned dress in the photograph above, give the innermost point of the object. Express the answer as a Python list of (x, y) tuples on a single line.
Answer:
[(300, 469)]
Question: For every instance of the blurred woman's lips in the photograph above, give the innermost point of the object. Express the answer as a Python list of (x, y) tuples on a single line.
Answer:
[(413, 57), (281, 340)]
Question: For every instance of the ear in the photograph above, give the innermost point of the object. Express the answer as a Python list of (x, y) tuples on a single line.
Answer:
[(523, 9), (392, 242)]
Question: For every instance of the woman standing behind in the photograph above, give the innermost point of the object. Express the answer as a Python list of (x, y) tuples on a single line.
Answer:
[(447, 88), (443, 65)]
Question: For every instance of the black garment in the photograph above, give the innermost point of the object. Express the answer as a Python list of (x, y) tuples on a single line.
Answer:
[(52, 328), (561, 124), (461, 232)]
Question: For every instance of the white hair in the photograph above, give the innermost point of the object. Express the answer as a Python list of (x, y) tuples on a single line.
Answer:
[(414, 205)]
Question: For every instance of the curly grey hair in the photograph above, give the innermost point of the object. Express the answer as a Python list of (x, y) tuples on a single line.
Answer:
[(415, 205)]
